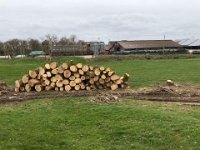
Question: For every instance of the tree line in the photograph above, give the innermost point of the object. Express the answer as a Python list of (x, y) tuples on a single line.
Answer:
[(16, 46)]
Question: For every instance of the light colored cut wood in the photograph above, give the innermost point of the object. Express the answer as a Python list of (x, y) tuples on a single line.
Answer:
[(53, 65), (47, 66), (77, 87), (114, 87), (72, 83), (32, 74), (67, 88), (85, 68), (25, 79), (114, 77), (73, 68), (67, 73)]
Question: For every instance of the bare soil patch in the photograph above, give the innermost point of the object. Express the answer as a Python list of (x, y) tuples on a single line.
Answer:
[(185, 93)]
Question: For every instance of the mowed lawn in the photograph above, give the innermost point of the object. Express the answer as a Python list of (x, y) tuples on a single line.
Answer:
[(77, 123), (142, 72)]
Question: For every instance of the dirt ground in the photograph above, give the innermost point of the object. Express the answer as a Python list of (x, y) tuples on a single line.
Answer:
[(186, 93)]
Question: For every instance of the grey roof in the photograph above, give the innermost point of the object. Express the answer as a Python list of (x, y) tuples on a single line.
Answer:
[(189, 42), (148, 44)]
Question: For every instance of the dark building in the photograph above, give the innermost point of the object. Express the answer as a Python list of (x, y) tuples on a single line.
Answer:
[(71, 50), (147, 46)]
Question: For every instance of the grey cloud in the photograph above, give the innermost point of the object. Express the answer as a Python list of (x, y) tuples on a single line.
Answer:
[(107, 19)]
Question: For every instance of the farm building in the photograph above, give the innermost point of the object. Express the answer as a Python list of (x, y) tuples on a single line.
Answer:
[(147, 46), (88, 48), (192, 45), (70, 50)]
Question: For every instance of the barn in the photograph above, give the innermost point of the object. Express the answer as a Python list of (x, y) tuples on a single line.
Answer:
[(191, 45), (70, 50), (147, 46)]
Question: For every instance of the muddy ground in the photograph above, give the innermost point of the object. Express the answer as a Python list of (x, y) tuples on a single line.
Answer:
[(177, 93)]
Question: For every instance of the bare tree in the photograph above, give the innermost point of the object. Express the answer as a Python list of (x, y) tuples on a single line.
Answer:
[(1, 48), (35, 44)]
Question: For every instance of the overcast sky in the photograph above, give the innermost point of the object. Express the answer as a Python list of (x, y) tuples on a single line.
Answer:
[(103, 19)]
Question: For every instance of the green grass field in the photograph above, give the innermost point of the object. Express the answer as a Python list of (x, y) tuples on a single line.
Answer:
[(142, 72), (77, 123)]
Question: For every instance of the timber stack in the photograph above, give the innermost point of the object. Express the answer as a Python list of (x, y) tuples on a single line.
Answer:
[(70, 76)]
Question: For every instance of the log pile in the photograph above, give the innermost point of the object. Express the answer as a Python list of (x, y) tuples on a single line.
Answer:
[(70, 76)]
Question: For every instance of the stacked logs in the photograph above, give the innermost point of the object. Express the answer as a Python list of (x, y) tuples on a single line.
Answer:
[(69, 76)]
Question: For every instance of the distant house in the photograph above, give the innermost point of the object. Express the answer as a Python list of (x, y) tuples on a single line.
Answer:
[(36, 53), (192, 45), (147, 46)]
